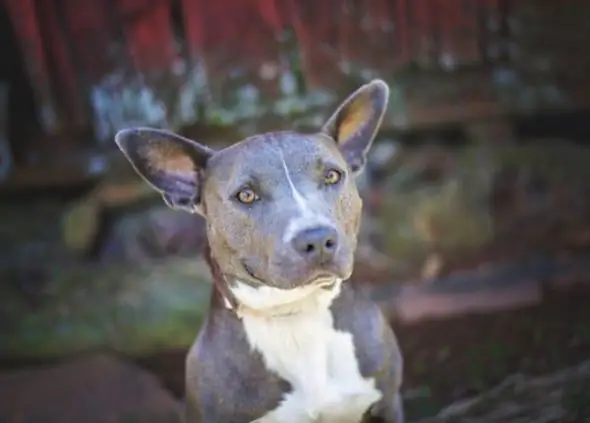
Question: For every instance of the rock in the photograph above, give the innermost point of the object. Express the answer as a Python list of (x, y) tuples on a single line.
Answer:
[(415, 304), (119, 187), (558, 397), (80, 225), (92, 389), (156, 232), (136, 309), (491, 287), (30, 225), (433, 200), (436, 218)]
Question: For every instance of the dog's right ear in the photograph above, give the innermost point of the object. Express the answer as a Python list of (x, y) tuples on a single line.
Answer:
[(356, 121), (171, 164)]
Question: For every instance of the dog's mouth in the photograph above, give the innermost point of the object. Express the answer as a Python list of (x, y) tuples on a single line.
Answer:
[(252, 278), (325, 281), (322, 278)]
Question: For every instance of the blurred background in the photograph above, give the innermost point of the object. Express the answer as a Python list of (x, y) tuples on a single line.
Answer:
[(476, 233)]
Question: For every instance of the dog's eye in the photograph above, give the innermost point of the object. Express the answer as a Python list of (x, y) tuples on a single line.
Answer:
[(332, 177), (247, 196)]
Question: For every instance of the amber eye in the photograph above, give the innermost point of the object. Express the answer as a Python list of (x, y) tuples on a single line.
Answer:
[(247, 196), (332, 177)]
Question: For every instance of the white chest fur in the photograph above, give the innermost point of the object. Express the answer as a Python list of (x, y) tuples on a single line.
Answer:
[(318, 361)]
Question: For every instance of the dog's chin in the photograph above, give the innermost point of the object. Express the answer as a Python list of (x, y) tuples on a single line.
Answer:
[(323, 275), (286, 289), (292, 275)]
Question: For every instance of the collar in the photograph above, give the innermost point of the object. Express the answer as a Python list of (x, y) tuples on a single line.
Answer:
[(220, 284)]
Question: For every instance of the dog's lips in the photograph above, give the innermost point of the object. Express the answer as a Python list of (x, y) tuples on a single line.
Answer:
[(326, 274), (252, 278), (249, 271), (324, 280), (323, 276)]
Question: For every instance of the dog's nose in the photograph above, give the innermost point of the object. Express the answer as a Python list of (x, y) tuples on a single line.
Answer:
[(318, 244)]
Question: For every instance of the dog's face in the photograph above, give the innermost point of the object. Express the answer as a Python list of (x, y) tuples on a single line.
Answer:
[(282, 208)]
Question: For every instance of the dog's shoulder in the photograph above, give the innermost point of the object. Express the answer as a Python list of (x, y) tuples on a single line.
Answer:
[(376, 346), (223, 373)]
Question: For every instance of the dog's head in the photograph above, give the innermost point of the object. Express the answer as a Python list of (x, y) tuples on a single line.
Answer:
[(282, 208)]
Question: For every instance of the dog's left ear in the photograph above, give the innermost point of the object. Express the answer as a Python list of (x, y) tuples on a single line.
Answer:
[(355, 123), (169, 163)]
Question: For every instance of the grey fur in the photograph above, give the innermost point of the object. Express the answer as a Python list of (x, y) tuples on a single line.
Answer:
[(227, 382)]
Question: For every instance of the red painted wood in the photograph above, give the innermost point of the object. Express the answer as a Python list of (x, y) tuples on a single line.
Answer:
[(270, 13), (23, 15), (148, 32), (68, 44), (403, 33), (195, 27), (91, 33), (63, 72)]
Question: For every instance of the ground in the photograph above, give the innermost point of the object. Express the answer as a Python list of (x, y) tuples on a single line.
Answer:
[(456, 358), (460, 357), (447, 361)]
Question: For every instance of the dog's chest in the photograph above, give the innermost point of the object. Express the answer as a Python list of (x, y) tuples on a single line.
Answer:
[(320, 364)]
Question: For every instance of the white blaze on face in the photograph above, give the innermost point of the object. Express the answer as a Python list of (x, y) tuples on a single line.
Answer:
[(307, 217)]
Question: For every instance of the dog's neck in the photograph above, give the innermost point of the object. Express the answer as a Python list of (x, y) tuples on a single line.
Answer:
[(267, 301), (221, 293)]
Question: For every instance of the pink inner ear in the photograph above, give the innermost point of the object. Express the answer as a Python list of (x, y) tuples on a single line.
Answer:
[(354, 116), (168, 157)]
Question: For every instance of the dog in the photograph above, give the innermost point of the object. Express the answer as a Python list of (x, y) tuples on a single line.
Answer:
[(287, 339)]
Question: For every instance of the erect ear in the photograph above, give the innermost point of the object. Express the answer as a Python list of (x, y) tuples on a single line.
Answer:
[(356, 121), (171, 164)]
